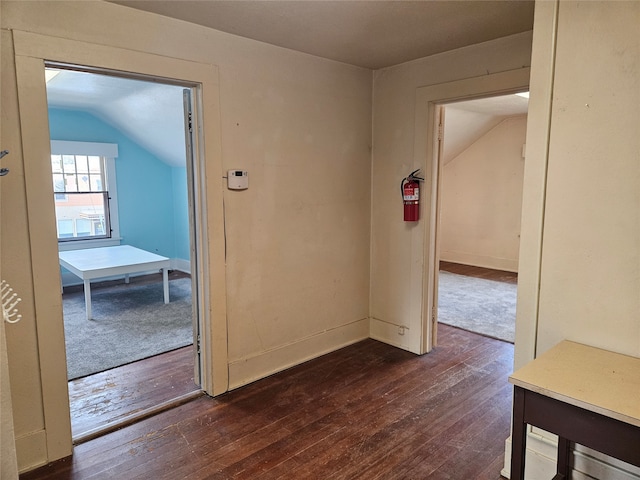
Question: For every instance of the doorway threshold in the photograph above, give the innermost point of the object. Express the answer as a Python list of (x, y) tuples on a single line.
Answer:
[(135, 417), (110, 400)]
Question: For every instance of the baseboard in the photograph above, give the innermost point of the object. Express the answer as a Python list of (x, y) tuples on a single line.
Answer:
[(394, 334), (181, 265), (31, 450), (504, 264), (587, 464), (246, 370)]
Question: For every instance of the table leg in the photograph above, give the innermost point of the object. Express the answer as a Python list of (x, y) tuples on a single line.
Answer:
[(87, 298), (165, 282), (518, 435), (564, 452)]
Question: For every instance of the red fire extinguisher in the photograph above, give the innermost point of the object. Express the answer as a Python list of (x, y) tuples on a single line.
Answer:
[(411, 196)]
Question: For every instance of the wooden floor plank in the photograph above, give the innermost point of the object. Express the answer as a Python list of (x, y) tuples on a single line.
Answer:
[(366, 411), (479, 272), (111, 396)]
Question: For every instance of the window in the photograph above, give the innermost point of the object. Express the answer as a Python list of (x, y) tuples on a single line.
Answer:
[(83, 177)]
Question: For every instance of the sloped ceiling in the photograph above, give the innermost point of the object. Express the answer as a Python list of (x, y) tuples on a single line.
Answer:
[(465, 122), (151, 114)]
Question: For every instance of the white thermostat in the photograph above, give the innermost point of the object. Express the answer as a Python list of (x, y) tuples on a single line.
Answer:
[(237, 179)]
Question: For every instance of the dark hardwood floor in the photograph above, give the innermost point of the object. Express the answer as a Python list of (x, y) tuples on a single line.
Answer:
[(367, 411), (116, 396), (480, 272)]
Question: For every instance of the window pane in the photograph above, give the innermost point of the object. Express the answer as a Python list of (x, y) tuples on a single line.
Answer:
[(83, 183), (89, 213), (96, 183), (58, 183), (65, 228), (69, 163), (56, 163), (81, 202), (83, 227), (95, 165), (70, 184), (81, 164), (99, 227)]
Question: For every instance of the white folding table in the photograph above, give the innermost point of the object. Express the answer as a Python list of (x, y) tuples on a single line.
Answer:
[(92, 263)]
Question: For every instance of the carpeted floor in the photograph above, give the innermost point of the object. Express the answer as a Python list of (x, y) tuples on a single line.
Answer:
[(130, 322), (478, 305)]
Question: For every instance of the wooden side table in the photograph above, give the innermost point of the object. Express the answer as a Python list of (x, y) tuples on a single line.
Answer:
[(582, 394)]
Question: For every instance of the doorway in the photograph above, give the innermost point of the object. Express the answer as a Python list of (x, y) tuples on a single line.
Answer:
[(31, 51), (122, 177), (479, 208)]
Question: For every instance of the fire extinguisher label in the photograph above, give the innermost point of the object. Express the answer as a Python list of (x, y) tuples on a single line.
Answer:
[(411, 194)]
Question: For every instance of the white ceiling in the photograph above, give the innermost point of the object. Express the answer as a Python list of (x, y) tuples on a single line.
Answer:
[(371, 34), (151, 114), (368, 33), (465, 122)]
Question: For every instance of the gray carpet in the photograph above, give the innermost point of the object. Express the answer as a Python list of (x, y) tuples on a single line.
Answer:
[(483, 306), (130, 322)]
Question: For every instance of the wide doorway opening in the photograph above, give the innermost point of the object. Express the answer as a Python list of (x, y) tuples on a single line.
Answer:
[(124, 189), (481, 167)]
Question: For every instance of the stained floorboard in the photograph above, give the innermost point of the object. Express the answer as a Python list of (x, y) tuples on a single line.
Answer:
[(367, 411), (114, 395), (480, 272)]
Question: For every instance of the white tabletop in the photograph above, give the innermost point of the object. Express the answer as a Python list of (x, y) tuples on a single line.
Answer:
[(591, 378), (93, 263), (92, 259)]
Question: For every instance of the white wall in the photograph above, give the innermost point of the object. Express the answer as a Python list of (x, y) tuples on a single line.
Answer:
[(297, 242), (481, 195), (581, 199), (398, 248)]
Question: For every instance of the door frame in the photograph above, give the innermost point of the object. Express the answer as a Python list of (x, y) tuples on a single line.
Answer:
[(31, 51), (426, 152)]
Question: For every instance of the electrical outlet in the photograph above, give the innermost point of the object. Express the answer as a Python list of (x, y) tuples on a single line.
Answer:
[(400, 330)]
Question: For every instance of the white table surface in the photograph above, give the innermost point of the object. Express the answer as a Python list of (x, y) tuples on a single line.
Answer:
[(587, 377), (92, 263)]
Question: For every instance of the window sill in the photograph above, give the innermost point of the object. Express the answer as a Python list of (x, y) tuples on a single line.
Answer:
[(84, 244)]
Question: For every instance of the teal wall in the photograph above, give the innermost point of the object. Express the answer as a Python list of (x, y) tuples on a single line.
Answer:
[(152, 196), (180, 213)]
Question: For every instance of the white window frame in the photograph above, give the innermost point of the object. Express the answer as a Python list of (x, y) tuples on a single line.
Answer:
[(110, 152)]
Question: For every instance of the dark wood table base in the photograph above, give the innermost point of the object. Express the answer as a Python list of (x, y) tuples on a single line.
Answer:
[(572, 424)]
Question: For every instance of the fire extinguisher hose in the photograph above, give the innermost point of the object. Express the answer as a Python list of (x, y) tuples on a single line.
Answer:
[(411, 176)]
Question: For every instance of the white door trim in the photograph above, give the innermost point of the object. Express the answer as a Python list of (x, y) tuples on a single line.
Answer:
[(31, 51), (426, 154)]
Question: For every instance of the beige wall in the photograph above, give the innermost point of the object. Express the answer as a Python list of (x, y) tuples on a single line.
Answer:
[(581, 202), (590, 274), (398, 248), (8, 460), (297, 241), (481, 196)]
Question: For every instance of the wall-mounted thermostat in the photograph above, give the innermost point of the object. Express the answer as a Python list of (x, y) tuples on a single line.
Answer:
[(237, 179)]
